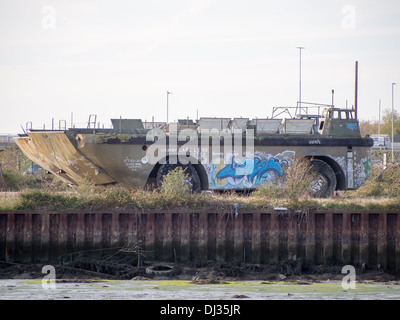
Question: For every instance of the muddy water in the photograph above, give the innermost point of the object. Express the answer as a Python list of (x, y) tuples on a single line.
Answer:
[(184, 290)]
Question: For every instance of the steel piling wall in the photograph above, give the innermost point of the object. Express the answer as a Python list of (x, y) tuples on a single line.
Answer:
[(320, 237)]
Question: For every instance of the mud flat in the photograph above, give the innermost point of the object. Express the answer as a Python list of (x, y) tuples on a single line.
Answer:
[(295, 272), (242, 293)]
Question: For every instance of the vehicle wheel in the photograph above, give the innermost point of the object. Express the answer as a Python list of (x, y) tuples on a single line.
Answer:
[(324, 183), (193, 178)]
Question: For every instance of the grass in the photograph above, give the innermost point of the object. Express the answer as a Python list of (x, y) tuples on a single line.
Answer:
[(116, 198), (380, 192)]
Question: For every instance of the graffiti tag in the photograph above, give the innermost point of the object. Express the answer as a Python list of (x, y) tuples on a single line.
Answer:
[(315, 141), (247, 173)]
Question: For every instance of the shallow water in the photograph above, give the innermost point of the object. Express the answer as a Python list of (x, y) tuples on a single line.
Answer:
[(17, 289)]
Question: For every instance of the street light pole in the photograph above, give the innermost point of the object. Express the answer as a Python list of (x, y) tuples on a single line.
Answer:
[(168, 93), (379, 121), (393, 84), (300, 48)]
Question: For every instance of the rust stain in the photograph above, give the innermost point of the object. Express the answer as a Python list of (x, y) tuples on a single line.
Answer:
[(341, 237), (58, 155), (27, 146)]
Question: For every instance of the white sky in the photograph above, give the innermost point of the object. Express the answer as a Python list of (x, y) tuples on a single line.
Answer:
[(224, 58)]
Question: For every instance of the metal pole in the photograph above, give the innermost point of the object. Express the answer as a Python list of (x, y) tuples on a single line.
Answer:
[(300, 48), (379, 121), (392, 121), (168, 93), (356, 91), (167, 106), (384, 161)]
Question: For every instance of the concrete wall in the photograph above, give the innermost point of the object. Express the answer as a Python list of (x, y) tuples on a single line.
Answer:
[(342, 237)]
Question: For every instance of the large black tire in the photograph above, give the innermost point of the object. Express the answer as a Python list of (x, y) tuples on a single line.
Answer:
[(324, 184), (193, 178)]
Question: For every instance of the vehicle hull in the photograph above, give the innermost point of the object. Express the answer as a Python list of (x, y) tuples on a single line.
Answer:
[(123, 159)]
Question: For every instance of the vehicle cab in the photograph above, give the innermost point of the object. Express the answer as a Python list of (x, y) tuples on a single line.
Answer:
[(336, 122)]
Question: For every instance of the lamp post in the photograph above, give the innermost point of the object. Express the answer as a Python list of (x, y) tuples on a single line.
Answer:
[(393, 84), (168, 93), (379, 121), (300, 48)]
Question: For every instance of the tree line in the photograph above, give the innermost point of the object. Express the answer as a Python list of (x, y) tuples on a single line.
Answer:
[(385, 125)]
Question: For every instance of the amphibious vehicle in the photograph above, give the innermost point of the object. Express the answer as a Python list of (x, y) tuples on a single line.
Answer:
[(216, 153)]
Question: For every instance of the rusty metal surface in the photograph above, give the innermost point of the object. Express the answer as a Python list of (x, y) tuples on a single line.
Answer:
[(29, 149), (340, 237), (120, 159), (58, 155)]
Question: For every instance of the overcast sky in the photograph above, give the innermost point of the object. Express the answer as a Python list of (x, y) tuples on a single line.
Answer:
[(220, 58)]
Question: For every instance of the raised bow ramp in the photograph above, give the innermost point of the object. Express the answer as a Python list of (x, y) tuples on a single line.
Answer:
[(56, 153)]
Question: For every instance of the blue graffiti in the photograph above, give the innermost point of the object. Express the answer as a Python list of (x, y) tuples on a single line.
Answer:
[(253, 171), (351, 125)]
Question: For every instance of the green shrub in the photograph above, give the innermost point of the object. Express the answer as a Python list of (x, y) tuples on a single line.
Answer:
[(174, 188), (86, 187), (117, 196), (14, 181), (381, 183), (289, 191), (41, 200)]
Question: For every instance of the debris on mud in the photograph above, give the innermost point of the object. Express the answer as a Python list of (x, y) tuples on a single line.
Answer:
[(133, 263), (86, 270)]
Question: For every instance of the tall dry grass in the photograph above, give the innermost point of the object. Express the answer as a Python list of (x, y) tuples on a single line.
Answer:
[(381, 191), (293, 189)]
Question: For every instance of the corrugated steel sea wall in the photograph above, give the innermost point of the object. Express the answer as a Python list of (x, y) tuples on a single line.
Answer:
[(331, 236)]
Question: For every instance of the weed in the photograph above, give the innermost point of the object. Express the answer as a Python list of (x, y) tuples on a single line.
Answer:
[(117, 196), (14, 181), (295, 186), (86, 187), (381, 191), (174, 187), (41, 200), (381, 183)]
